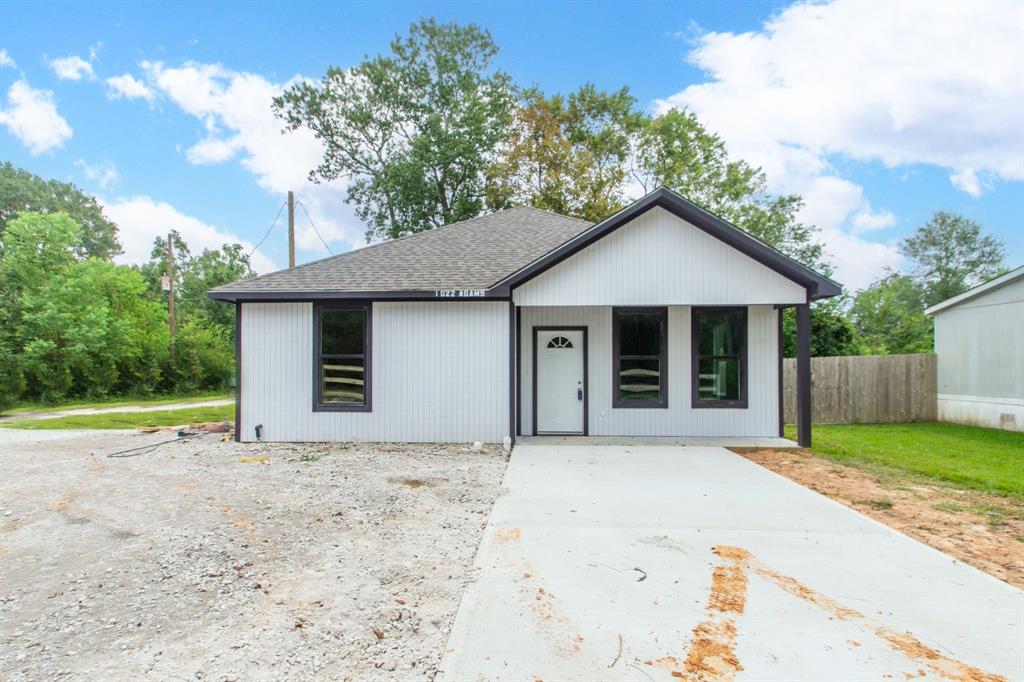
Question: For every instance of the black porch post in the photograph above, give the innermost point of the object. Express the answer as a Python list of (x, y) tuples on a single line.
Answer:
[(803, 375)]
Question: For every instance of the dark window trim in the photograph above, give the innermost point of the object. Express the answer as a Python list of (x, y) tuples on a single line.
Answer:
[(318, 405), (661, 312), (695, 356), (586, 373)]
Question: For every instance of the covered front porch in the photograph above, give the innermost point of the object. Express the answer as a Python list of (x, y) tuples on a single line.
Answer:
[(688, 375)]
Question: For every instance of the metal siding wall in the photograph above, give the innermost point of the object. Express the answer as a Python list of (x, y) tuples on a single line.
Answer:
[(659, 259), (761, 418), (440, 374), (979, 345)]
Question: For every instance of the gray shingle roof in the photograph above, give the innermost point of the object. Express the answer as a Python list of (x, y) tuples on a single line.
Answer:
[(472, 254)]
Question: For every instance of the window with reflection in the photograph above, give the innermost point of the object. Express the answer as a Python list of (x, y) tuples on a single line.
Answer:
[(719, 357), (342, 357), (640, 341)]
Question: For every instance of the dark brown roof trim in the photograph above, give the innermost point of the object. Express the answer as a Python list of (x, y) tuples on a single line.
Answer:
[(817, 285), (461, 295)]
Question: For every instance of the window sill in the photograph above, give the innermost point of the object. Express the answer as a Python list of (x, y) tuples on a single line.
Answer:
[(720, 404), (640, 405), (341, 408)]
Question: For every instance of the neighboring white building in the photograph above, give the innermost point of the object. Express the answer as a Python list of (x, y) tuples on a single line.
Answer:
[(662, 320), (979, 341)]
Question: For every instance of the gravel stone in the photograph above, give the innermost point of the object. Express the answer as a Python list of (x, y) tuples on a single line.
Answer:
[(327, 561)]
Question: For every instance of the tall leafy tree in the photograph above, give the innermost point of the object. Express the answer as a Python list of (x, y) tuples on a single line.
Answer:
[(72, 327), (951, 255), (567, 154), (412, 130), (889, 316), (676, 151), (23, 192)]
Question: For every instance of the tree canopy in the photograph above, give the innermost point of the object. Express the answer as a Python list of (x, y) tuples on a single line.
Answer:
[(23, 192), (889, 317), (567, 154), (413, 130), (950, 255), (73, 327), (86, 327)]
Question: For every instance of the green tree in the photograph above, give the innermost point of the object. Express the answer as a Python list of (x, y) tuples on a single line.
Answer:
[(74, 327), (22, 191), (676, 151), (412, 130), (889, 317), (832, 333), (951, 255), (567, 154), (204, 329)]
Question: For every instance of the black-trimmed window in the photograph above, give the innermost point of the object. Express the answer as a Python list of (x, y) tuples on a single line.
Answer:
[(640, 357), (341, 357), (719, 350)]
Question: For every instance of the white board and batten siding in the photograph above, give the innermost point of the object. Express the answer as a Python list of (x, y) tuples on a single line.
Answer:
[(440, 373), (659, 259), (759, 419)]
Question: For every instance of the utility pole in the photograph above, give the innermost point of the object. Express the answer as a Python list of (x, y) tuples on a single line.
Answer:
[(170, 291), (291, 229)]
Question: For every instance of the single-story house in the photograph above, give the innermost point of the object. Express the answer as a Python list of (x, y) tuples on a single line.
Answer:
[(662, 320), (979, 344)]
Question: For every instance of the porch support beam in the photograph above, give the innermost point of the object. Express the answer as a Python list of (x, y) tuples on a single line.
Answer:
[(803, 375), (513, 369)]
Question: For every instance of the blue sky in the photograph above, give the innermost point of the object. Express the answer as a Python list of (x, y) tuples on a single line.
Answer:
[(876, 118)]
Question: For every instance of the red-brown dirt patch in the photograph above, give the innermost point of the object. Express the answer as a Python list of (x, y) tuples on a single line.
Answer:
[(980, 529)]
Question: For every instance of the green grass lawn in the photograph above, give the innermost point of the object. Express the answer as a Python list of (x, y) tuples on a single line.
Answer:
[(969, 456), (119, 401), (128, 420)]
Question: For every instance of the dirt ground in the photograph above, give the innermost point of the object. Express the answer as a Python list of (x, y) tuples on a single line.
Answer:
[(983, 530), (335, 562)]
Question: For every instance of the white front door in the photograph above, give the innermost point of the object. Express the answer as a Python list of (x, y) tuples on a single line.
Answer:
[(560, 398)]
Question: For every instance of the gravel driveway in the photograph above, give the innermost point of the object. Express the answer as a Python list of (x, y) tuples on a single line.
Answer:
[(340, 562)]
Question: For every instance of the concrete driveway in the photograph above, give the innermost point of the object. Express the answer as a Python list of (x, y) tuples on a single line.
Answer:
[(651, 562)]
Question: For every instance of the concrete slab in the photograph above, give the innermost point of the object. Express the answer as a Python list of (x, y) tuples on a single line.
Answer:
[(655, 562), (708, 441)]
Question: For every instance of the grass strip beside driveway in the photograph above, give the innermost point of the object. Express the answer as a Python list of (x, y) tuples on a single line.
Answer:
[(119, 401), (128, 420), (970, 456)]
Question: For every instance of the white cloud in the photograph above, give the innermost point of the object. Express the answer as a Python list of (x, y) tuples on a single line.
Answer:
[(237, 122), (128, 87), (896, 83), (968, 181), (141, 219), (866, 221), (72, 68), (103, 175), (6, 60), (31, 116)]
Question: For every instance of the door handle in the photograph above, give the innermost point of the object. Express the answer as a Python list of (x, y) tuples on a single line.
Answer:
[(579, 394)]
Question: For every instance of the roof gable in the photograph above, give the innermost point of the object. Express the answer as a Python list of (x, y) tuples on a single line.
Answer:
[(656, 259), (818, 286)]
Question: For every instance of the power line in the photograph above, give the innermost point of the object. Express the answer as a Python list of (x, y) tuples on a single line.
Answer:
[(272, 226), (314, 228)]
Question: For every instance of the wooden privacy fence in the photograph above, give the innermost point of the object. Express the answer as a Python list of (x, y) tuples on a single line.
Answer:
[(866, 389)]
